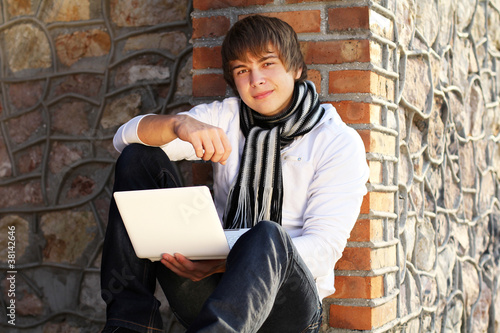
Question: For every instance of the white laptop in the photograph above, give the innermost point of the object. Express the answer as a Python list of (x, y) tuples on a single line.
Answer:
[(174, 220)]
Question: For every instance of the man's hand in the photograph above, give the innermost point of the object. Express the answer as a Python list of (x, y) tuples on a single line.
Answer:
[(210, 143), (193, 270)]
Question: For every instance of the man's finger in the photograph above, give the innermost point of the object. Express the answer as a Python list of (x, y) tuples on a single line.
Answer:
[(227, 148), (198, 147)]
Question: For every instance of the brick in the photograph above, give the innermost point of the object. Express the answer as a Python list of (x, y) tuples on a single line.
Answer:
[(365, 204), (362, 318), (301, 21), (348, 18), (385, 88), (366, 287), (209, 27), (365, 136), (384, 257), (207, 57), (352, 81), (336, 51), (379, 201), (314, 76), (356, 113), (366, 230), (366, 259), (376, 142), (218, 4), (381, 143), (299, 1), (208, 85), (381, 25), (376, 172), (357, 81), (355, 258)]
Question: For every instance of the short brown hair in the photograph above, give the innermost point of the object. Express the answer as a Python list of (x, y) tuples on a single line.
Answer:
[(253, 35)]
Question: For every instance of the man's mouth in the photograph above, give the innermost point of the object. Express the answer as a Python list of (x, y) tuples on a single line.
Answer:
[(263, 94)]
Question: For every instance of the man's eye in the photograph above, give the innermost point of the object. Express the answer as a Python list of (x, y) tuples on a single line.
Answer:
[(267, 64), (241, 71)]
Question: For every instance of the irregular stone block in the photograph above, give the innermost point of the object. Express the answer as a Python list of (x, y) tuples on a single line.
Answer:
[(81, 44), (184, 80), (62, 155), (66, 10), (174, 42), (493, 21), (405, 22), (81, 84), (30, 159), (67, 235), (19, 7), (474, 108), (136, 13), (143, 68), (5, 163), (467, 164), (121, 110), (26, 94), (71, 118), (427, 19), (425, 249), (90, 295), (21, 236), (19, 194), (80, 187), (23, 127), (436, 135), (27, 47), (27, 302), (452, 195), (417, 83)]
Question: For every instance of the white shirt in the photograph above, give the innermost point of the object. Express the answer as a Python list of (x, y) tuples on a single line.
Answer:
[(324, 177)]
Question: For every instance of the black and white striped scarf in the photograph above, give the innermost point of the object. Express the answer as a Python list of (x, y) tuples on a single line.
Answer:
[(257, 193)]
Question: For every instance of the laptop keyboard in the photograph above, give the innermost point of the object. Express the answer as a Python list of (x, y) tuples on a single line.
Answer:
[(233, 235)]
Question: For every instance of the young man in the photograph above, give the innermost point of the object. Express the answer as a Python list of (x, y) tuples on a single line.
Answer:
[(284, 165)]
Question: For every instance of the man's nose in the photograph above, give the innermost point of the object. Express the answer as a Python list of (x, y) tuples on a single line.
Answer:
[(256, 78)]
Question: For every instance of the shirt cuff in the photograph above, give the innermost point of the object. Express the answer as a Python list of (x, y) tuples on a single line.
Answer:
[(127, 134)]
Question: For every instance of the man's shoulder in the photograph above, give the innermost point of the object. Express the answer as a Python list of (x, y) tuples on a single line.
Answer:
[(331, 119)]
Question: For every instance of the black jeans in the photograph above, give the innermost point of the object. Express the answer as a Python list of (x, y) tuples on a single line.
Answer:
[(266, 286)]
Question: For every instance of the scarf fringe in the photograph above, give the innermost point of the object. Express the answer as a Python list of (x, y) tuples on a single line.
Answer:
[(242, 212)]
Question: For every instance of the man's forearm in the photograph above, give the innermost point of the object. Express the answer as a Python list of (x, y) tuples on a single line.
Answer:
[(157, 130), (209, 142)]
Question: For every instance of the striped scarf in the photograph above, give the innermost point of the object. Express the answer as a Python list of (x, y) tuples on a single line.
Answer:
[(257, 193)]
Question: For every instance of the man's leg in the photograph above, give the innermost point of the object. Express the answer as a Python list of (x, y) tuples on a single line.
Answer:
[(127, 282), (266, 288)]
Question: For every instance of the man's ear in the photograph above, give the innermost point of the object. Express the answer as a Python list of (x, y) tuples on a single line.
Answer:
[(298, 73)]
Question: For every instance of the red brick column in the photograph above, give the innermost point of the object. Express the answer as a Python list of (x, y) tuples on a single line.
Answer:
[(350, 56)]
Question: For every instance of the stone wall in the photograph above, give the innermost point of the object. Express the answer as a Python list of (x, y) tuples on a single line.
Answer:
[(72, 71), (448, 161), (418, 79)]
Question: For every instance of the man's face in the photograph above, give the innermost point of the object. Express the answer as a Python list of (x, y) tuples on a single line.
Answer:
[(263, 82)]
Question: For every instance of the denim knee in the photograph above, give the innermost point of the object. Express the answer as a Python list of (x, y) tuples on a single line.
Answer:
[(264, 236), (270, 228), (132, 160)]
